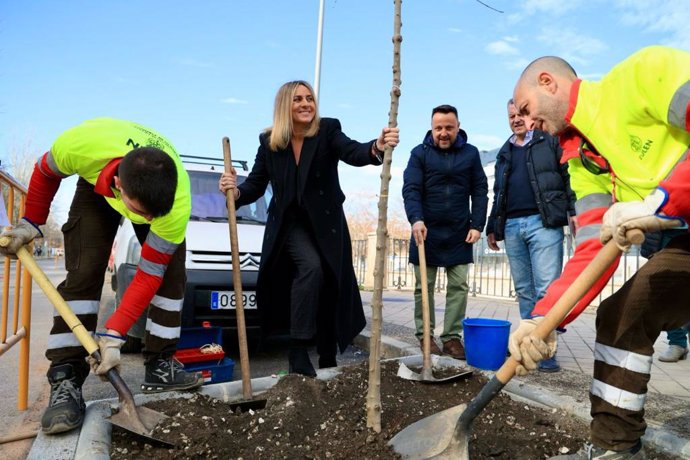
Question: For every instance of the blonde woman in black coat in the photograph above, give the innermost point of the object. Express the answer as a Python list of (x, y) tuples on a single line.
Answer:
[(306, 271)]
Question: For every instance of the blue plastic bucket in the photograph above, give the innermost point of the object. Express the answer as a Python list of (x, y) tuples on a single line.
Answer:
[(486, 342)]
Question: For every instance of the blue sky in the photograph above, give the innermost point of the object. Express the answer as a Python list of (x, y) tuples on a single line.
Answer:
[(198, 71)]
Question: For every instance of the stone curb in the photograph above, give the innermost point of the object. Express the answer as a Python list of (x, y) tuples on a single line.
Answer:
[(93, 441)]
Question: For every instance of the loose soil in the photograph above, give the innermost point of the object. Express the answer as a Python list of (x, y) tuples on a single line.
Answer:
[(315, 419)]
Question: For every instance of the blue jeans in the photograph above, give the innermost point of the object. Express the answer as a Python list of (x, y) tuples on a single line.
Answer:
[(679, 336), (535, 255)]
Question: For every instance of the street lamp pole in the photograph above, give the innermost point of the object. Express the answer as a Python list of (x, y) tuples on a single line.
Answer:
[(319, 40)]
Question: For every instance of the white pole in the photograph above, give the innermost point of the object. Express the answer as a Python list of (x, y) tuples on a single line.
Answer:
[(319, 40)]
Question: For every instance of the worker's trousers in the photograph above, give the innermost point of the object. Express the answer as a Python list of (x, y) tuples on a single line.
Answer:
[(628, 323), (88, 234)]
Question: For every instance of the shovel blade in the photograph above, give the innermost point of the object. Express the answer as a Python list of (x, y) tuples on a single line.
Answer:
[(140, 421), (433, 438), (427, 376), (406, 373)]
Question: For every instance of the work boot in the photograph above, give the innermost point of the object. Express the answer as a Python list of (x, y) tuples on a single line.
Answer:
[(591, 452), (549, 365), (66, 409), (454, 348), (168, 374), (673, 354), (435, 350), (327, 361), (300, 362)]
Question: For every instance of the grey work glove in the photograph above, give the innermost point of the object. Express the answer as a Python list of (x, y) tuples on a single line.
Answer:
[(23, 232), (528, 349), (109, 345), (641, 215)]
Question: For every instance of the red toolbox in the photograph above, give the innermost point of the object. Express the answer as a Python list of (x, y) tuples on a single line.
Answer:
[(200, 349)]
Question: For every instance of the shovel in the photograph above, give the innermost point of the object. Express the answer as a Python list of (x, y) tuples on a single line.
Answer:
[(138, 420), (426, 376), (249, 403), (446, 435)]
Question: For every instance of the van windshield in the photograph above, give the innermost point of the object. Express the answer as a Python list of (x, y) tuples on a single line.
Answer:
[(209, 204)]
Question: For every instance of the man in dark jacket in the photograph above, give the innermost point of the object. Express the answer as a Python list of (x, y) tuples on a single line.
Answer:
[(443, 175), (532, 202)]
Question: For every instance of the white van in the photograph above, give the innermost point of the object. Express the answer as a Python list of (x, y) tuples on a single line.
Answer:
[(209, 295)]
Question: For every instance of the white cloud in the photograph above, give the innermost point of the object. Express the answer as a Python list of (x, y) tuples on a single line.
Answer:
[(571, 44), (454, 30), (233, 100), (553, 8), (667, 17), (502, 48)]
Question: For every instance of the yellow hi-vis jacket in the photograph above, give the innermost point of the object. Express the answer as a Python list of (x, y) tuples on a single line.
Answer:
[(92, 150), (638, 119)]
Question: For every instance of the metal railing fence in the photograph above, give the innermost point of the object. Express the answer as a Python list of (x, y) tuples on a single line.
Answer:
[(15, 308), (489, 275)]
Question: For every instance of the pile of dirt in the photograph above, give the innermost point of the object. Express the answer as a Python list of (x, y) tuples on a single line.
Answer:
[(310, 418)]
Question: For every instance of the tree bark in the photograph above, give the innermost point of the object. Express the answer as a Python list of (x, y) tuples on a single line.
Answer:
[(374, 391)]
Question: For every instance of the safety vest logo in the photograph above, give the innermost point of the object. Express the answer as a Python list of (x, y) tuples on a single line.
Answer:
[(637, 146)]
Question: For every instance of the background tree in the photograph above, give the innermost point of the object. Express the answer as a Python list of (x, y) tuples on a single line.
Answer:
[(20, 165)]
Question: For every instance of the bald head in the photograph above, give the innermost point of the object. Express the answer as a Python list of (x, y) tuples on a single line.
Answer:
[(543, 91), (551, 64)]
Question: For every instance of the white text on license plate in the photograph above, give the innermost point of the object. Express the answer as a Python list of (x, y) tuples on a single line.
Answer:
[(226, 300)]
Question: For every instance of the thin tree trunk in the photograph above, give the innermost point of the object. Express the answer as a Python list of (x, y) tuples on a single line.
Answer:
[(374, 391)]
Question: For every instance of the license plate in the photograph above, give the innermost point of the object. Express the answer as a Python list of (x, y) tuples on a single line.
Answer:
[(226, 300)]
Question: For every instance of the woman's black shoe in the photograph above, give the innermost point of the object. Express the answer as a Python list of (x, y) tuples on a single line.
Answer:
[(300, 363), (327, 361)]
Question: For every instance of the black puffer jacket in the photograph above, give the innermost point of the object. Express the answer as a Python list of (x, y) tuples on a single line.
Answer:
[(549, 180), (438, 188)]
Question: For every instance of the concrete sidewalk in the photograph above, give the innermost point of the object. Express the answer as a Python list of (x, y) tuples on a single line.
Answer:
[(575, 347)]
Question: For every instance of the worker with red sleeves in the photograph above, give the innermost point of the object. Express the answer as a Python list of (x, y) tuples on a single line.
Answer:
[(124, 169), (626, 140)]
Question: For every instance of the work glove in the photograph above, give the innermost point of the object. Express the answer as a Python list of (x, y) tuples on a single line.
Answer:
[(641, 215), (527, 348), (109, 345), (23, 232)]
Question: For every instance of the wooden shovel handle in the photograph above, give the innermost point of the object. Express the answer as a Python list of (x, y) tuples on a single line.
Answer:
[(583, 283), (426, 314), (237, 278), (55, 298)]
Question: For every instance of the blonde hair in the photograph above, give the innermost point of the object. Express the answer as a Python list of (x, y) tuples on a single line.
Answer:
[(280, 133)]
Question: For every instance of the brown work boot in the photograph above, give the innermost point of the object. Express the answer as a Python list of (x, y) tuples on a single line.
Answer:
[(435, 350), (454, 348)]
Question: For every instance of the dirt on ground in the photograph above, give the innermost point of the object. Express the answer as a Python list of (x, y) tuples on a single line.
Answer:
[(316, 419)]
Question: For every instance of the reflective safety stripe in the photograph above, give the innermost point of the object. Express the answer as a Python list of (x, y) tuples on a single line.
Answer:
[(679, 108), (82, 307), (160, 245), (167, 304), (56, 341), (635, 362), (152, 268), (592, 201), (617, 397), (50, 161), (162, 331), (585, 233)]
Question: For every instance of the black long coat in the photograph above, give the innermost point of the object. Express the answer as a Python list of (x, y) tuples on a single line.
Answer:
[(341, 313)]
